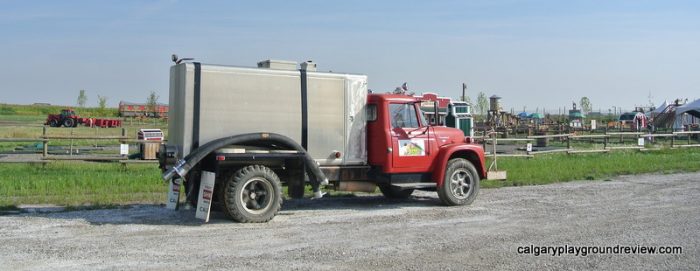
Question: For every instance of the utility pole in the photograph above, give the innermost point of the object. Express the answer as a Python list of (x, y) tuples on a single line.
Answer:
[(464, 92)]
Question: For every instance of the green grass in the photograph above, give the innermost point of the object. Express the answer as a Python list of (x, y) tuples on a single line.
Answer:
[(550, 168), (108, 184), (79, 183)]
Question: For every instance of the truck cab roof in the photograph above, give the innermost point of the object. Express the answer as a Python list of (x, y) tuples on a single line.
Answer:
[(377, 97)]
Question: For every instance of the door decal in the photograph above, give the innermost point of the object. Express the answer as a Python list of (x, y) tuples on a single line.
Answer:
[(412, 147)]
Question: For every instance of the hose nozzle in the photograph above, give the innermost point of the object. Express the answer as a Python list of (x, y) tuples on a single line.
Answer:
[(178, 169)]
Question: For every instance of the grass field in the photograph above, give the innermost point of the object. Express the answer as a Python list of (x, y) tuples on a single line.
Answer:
[(550, 168), (84, 183), (79, 183)]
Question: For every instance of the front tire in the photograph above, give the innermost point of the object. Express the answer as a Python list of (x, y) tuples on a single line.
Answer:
[(461, 183), (252, 195), (53, 123)]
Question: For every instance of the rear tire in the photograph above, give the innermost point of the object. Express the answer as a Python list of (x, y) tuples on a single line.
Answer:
[(69, 122), (252, 195), (394, 192), (461, 183)]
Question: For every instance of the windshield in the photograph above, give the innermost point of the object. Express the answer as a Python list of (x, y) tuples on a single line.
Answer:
[(422, 117), (403, 116)]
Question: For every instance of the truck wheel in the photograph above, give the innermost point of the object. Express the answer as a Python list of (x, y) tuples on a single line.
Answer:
[(53, 123), (68, 122), (253, 194), (394, 192), (461, 183)]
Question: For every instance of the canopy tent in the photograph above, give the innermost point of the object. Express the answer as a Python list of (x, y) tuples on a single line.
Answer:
[(687, 114), (660, 108), (536, 116), (523, 115)]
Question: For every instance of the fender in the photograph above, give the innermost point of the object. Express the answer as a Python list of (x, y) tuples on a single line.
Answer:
[(473, 153)]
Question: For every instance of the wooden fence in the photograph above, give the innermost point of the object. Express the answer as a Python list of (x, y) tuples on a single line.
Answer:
[(606, 138), (46, 139)]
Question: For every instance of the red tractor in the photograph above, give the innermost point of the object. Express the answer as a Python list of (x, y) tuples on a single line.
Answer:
[(68, 118)]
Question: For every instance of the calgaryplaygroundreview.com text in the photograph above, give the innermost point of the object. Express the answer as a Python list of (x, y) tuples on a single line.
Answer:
[(584, 251)]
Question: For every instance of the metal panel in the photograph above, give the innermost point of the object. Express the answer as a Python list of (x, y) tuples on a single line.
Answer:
[(180, 119), (236, 100), (326, 97), (356, 120)]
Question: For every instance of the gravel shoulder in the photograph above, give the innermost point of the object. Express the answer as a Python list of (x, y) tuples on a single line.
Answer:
[(370, 232)]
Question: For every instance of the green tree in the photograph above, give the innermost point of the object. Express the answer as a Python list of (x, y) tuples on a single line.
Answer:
[(482, 103), (82, 98), (152, 103), (102, 104), (586, 106)]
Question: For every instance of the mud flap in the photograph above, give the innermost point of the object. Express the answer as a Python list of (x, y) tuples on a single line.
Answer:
[(173, 194), (206, 193)]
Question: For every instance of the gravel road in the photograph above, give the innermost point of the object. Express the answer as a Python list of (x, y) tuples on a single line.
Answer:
[(370, 232)]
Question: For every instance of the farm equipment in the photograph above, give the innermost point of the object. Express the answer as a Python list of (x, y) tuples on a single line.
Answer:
[(237, 134), (68, 118)]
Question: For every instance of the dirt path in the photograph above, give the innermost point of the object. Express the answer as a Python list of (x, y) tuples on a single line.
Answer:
[(369, 233)]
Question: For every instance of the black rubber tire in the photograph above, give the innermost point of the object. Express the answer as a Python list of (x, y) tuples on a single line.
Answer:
[(54, 123), (460, 175), (252, 195), (69, 122), (395, 192)]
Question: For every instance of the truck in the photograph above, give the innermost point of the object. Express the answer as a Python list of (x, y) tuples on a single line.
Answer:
[(68, 118), (237, 134)]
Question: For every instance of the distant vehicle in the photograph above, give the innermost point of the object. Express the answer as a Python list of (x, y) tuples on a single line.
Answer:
[(68, 118), (127, 109)]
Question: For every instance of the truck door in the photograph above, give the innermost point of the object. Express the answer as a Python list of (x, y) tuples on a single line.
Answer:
[(410, 138)]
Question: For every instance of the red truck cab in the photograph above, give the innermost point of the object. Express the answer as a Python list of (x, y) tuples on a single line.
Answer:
[(408, 152)]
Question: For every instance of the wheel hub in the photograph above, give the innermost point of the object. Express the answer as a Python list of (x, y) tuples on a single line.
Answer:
[(460, 184), (255, 197)]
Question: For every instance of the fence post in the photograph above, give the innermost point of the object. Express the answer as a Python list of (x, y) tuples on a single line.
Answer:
[(46, 143), (71, 141), (673, 139), (605, 142), (568, 142)]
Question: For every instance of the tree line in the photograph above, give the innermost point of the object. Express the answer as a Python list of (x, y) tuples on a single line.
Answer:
[(151, 101), (481, 106)]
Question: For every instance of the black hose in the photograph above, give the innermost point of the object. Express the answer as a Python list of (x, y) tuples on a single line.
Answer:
[(184, 165)]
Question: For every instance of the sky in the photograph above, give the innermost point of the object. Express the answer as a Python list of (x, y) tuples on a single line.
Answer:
[(536, 55)]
